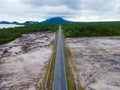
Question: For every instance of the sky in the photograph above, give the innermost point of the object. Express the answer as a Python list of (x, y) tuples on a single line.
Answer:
[(75, 10)]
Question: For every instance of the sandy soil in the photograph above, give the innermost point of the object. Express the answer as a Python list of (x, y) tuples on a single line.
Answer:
[(98, 61), (23, 61)]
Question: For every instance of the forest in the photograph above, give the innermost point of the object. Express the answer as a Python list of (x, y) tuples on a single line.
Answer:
[(92, 29), (9, 34), (83, 29)]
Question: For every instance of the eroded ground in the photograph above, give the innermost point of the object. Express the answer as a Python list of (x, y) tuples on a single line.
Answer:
[(23, 61), (98, 61)]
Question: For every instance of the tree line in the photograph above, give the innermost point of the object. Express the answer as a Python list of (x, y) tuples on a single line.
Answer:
[(87, 29), (9, 34), (92, 29)]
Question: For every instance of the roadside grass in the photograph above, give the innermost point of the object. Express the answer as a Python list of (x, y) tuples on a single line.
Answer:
[(52, 66), (51, 72), (41, 85), (49, 75), (73, 74), (71, 70), (70, 81)]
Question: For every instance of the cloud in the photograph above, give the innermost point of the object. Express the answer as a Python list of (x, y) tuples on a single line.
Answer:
[(99, 5), (38, 3), (77, 10)]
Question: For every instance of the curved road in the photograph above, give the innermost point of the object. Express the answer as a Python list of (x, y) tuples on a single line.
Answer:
[(60, 79)]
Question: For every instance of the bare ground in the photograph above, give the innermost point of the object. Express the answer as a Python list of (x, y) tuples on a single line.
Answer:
[(98, 61), (23, 61)]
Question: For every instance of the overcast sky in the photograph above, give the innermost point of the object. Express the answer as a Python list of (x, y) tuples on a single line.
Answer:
[(76, 10)]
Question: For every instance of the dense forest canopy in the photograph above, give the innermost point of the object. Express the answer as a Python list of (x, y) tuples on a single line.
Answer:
[(92, 29)]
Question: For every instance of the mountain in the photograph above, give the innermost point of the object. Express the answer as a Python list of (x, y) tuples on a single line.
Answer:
[(7, 22), (31, 22), (15, 22), (4, 22), (55, 20)]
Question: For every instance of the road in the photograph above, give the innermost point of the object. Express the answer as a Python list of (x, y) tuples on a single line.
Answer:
[(60, 79)]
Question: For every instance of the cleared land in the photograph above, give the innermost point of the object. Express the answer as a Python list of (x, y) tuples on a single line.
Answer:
[(23, 61), (98, 61)]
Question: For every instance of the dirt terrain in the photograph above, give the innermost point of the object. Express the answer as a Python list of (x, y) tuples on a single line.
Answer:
[(23, 61), (98, 61)]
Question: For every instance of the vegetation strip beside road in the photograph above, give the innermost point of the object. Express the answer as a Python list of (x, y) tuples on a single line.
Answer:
[(50, 68), (71, 85), (72, 73), (70, 80), (73, 76)]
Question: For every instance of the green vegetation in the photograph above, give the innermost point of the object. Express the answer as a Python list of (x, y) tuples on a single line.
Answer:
[(46, 84), (92, 29), (72, 72), (9, 34), (70, 30), (51, 72), (51, 68), (69, 77)]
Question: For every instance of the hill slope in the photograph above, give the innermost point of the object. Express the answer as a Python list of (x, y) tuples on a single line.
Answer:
[(55, 20)]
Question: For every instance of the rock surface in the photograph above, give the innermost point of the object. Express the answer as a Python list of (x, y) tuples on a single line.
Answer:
[(98, 61), (23, 61)]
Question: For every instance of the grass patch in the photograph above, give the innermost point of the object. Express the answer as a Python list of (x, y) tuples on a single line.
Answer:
[(74, 71), (46, 84), (52, 67), (69, 77), (51, 74), (70, 80)]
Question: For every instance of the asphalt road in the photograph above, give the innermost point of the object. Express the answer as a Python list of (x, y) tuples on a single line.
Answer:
[(60, 79)]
